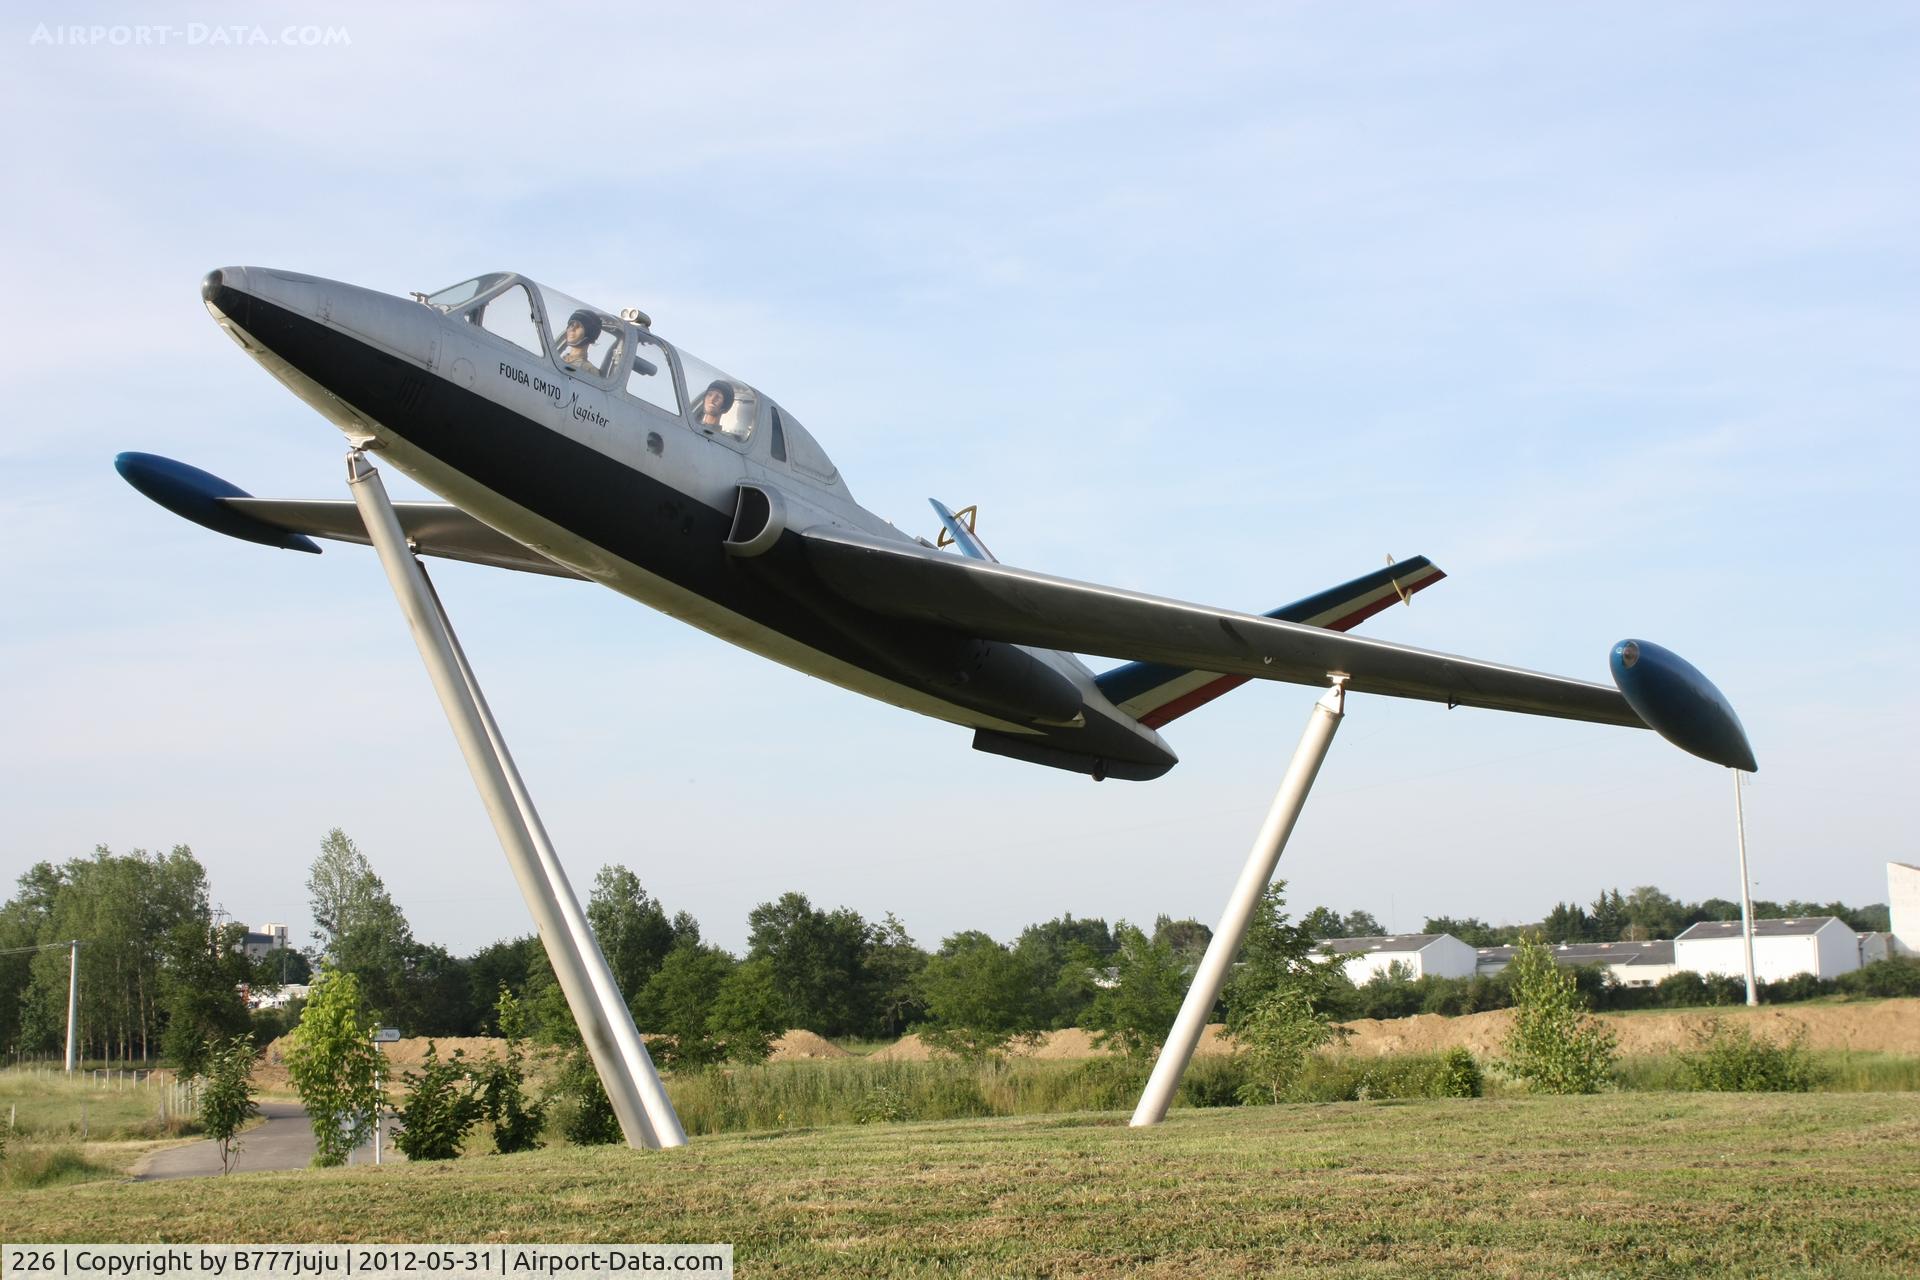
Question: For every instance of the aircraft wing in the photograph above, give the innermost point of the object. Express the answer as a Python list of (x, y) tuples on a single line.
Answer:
[(999, 602), (435, 529)]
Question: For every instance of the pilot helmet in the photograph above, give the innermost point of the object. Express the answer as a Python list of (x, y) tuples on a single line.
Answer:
[(725, 389), (589, 324)]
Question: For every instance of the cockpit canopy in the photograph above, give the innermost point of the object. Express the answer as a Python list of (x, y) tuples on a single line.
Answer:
[(621, 352)]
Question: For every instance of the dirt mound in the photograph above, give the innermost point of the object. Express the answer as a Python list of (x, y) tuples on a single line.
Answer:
[(270, 1073), (1884, 1026), (905, 1049), (799, 1046)]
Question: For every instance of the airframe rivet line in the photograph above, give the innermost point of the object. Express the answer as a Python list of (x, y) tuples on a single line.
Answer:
[(619, 1056), (1232, 931)]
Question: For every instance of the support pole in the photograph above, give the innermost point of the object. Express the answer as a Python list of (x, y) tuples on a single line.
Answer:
[(1746, 894), (1232, 931), (73, 1006), (619, 1056)]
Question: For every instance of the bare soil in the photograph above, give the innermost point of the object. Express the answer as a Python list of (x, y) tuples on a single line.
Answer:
[(804, 1046), (1881, 1026)]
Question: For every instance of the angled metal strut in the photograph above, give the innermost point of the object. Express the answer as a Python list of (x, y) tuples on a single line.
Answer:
[(639, 1100), (1254, 877)]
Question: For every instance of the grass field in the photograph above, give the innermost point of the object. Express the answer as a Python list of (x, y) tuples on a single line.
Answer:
[(1618, 1184)]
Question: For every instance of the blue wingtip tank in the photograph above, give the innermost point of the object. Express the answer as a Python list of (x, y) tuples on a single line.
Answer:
[(197, 495), (1680, 704)]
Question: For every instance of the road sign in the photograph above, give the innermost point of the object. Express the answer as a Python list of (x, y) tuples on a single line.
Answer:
[(386, 1035)]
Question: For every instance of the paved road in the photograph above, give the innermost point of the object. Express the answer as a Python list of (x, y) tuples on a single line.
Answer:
[(284, 1140)]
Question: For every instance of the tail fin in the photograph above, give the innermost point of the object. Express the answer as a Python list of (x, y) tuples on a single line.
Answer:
[(1154, 693)]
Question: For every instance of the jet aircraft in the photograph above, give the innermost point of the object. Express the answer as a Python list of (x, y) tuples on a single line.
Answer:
[(571, 440)]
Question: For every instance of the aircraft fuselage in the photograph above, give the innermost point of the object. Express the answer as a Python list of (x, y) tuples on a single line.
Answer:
[(696, 522)]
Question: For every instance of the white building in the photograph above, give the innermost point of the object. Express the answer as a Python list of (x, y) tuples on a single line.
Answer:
[(1425, 955), (1903, 901), (1632, 964), (1875, 947), (1823, 946)]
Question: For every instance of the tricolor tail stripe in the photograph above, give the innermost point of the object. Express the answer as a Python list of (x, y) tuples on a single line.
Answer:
[(1154, 693)]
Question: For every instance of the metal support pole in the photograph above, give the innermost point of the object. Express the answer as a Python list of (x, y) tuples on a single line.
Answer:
[(1746, 894), (73, 1006), (1232, 931), (613, 1042)]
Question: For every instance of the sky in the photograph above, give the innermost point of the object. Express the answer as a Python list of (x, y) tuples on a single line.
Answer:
[(1610, 310)]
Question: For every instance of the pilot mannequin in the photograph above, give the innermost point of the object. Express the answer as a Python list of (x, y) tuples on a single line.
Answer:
[(582, 331), (717, 399)]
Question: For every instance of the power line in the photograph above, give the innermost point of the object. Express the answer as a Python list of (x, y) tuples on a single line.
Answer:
[(45, 946)]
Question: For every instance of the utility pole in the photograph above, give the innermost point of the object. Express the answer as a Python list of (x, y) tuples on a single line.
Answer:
[(73, 1006)]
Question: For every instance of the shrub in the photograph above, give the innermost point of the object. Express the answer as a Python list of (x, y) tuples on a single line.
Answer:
[(1897, 976), (1106, 1084), (516, 1117), (882, 1104), (586, 1113), (442, 1104), (226, 1100), (1801, 986), (1731, 1059), (1453, 1074), (1214, 1081), (1554, 1046), (1686, 989)]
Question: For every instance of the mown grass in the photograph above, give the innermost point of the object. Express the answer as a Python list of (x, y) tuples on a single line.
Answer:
[(1614, 1185)]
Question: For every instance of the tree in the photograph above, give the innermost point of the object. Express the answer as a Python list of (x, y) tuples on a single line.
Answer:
[(336, 1069), (818, 961), (1471, 930), (442, 1104), (201, 992), (747, 1014), (361, 930), (1278, 953), (1609, 918), (1066, 956), (1188, 938), (632, 927), (1361, 924), (1553, 1046), (1150, 982), (1324, 923), (1566, 923), (894, 964), (677, 1005), (979, 996), (226, 1099), (1277, 1039)]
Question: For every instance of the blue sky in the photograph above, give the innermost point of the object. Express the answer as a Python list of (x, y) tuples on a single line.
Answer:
[(1611, 310)]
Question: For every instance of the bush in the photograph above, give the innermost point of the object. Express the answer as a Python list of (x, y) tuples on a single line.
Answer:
[(1801, 986), (1554, 1046), (1107, 1084), (442, 1104), (1453, 1074), (1731, 1059), (586, 1113), (1897, 976), (1689, 990), (882, 1104), (517, 1119), (1214, 1081), (31, 1167)]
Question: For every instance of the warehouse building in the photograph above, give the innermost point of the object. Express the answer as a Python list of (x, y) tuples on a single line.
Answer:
[(1424, 955), (1823, 946)]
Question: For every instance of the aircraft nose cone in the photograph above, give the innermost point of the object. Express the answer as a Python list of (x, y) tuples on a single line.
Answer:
[(210, 287), (225, 291)]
